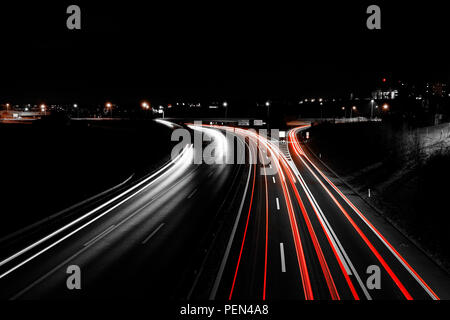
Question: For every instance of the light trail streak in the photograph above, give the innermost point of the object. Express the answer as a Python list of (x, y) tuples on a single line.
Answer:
[(301, 154), (306, 282), (179, 163)]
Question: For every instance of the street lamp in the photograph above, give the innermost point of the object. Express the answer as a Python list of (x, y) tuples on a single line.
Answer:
[(225, 105), (371, 108), (268, 114), (385, 107), (109, 106), (343, 109), (146, 106), (351, 111), (43, 109), (160, 110), (78, 110)]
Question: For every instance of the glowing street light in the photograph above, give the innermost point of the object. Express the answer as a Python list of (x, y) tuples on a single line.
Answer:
[(78, 110), (351, 110), (43, 108), (225, 105), (268, 114), (385, 107), (145, 105), (109, 106), (371, 108)]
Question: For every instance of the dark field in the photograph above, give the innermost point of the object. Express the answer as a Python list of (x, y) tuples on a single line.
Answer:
[(47, 167)]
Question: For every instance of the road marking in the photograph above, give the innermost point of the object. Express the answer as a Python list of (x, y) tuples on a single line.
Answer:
[(213, 293), (278, 204), (128, 191), (80, 251), (153, 233), (192, 193), (273, 179), (358, 230), (98, 237), (347, 263), (283, 262), (78, 229), (394, 252)]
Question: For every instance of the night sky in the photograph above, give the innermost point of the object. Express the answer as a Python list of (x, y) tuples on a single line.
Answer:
[(221, 48)]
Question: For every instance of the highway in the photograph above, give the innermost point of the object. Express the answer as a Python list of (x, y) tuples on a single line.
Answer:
[(275, 227), (300, 237), (130, 246)]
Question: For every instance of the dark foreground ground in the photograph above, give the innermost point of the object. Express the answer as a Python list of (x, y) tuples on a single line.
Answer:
[(405, 168), (46, 167)]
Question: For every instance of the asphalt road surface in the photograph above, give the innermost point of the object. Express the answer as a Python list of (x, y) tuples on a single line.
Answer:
[(273, 227)]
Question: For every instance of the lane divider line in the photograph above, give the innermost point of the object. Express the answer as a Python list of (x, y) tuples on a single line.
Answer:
[(266, 249), (153, 233), (98, 237), (342, 258), (192, 193), (84, 225), (218, 279), (245, 234), (283, 261), (304, 274), (355, 226), (398, 256)]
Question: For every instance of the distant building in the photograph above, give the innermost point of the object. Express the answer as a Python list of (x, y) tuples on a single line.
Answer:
[(16, 115)]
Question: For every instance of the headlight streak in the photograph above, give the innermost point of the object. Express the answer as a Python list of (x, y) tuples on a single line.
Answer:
[(179, 163), (219, 141)]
